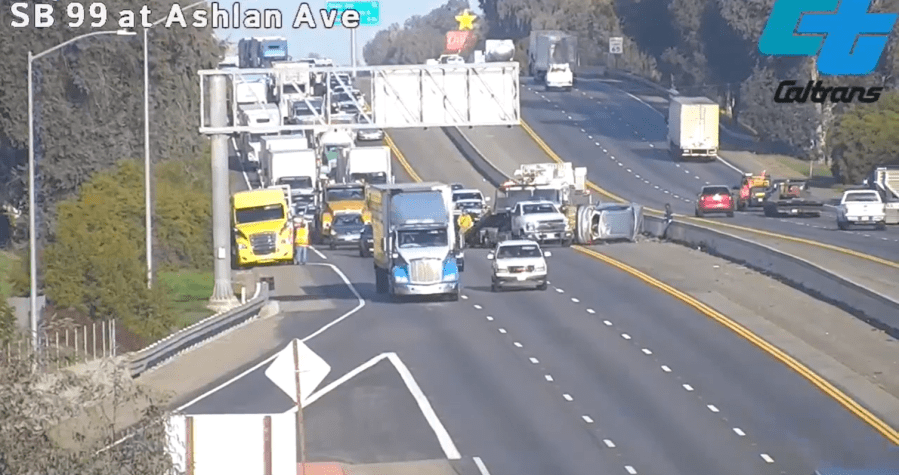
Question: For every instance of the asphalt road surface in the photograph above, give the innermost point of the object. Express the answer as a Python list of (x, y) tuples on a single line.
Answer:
[(508, 147), (664, 389), (632, 161)]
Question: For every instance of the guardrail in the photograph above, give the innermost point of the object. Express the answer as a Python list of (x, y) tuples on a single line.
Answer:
[(861, 302), (198, 333)]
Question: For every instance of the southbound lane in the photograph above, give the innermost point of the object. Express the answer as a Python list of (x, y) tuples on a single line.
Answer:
[(491, 403), (631, 160), (738, 409)]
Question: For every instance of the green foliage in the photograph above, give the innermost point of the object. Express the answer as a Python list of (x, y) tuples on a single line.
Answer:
[(89, 100), (7, 321), (96, 262), (866, 136), (190, 293), (419, 39)]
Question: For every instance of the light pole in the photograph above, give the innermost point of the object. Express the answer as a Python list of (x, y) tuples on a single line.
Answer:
[(32, 200), (148, 171)]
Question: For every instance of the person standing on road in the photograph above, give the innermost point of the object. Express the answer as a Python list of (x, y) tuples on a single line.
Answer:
[(464, 223), (300, 241)]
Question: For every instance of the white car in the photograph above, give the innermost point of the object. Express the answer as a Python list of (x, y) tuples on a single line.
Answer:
[(861, 207), (518, 263), (559, 76)]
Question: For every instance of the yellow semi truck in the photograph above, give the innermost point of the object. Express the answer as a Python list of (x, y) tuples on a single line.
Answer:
[(263, 231)]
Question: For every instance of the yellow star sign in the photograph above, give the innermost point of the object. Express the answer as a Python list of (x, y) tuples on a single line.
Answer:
[(466, 20)]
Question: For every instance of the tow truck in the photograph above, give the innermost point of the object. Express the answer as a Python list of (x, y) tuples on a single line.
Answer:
[(752, 190), (791, 198)]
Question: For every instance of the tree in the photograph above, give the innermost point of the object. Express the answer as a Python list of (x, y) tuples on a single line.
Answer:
[(89, 101), (38, 433), (864, 137)]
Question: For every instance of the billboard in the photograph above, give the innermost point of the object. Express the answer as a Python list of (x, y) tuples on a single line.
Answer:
[(456, 41)]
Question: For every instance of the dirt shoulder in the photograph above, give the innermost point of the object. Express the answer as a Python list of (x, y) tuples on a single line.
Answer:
[(860, 360)]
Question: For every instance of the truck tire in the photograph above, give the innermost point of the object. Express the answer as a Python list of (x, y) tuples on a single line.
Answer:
[(454, 297), (881, 226), (843, 225), (730, 214), (543, 286)]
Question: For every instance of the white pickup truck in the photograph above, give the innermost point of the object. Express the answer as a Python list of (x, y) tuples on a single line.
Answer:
[(559, 76), (861, 207), (540, 221)]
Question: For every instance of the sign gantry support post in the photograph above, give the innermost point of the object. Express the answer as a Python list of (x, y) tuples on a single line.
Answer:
[(222, 294)]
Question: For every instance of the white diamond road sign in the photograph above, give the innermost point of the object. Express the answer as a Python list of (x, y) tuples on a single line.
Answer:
[(369, 11), (616, 45)]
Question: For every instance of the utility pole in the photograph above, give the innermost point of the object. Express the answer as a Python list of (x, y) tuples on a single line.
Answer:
[(301, 429)]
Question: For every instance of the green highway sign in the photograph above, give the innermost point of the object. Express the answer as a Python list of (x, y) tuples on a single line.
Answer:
[(369, 11)]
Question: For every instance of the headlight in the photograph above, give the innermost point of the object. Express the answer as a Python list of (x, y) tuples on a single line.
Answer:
[(242, 247), (540, 269), (501, 269), (333, 232)]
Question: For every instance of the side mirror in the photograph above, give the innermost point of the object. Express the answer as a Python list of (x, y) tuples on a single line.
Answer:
[(384, 243), (490, 256), (487, 199), (547, 254)]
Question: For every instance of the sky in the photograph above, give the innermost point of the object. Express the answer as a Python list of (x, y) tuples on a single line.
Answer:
[(334, 44)]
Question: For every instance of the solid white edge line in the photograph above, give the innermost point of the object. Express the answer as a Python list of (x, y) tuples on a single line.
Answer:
[(481, 467), (360, 304), (446, 442), (318, 253)]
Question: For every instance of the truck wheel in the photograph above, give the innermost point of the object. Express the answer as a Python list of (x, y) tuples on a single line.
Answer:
[(494, 287), (542, 286), (454, 297), (881, 226), (568, 89), (699, 213), (332, 245), (730, 214), (843, 226), (566, 242)]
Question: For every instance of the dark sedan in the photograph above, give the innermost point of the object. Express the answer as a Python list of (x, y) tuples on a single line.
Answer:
[(346, 229), (366, 242)]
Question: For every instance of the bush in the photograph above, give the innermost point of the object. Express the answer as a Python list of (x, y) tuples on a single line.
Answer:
[(96, 260), (865, 137)]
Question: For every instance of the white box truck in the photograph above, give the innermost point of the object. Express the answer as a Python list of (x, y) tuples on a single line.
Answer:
[(261, 116), (414, 240), (272, 145), (693, 128), (297, 169), (371, 165)]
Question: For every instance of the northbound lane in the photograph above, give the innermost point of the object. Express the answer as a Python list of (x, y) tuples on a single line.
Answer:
[(623, 141)]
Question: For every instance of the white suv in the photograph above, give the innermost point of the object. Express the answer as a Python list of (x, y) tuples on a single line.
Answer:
[(518, 262)]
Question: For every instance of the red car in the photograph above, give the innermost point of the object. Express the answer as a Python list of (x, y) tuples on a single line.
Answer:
[(715, 199)]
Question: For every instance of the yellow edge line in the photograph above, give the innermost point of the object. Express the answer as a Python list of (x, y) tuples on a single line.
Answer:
[(826, 387), (401, 158), (554, 157)]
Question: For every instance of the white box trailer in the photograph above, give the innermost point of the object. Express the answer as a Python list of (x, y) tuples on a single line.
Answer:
[(297, 169), (693, 128), (886, 181), (263, 116)]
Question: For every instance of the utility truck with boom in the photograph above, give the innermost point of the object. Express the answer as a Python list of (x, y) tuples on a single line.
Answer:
[(885, 180), (413, 233), (693, 128)]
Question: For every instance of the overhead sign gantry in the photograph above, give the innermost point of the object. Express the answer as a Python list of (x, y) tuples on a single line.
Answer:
[(400, 97)]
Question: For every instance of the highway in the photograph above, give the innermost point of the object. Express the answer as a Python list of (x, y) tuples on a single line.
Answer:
[(635, 134), (663, 388), (623, 166)]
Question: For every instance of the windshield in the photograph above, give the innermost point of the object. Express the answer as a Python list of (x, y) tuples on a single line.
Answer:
[(374, 178), (467, 196), (543, 195), (344, 194), (715, 190), (366, 231), (259, 214), (296, 182), (422, 238), (862, 197), (348, 220), (538, 208), (290, 89), (511, 252)]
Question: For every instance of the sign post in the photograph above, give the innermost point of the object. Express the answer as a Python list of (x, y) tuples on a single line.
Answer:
[(369, 15), (616, 48)]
